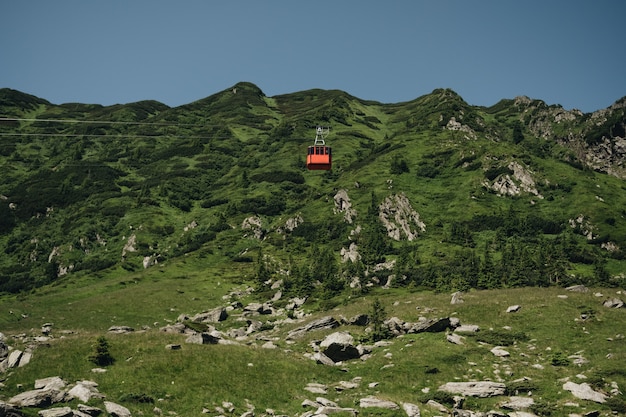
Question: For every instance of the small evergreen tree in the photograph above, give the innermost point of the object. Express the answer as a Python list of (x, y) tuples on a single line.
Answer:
[(101, 355), (377, 320)]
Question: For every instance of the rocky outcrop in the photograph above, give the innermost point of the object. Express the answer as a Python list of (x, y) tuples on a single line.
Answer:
[(399, 218), (343, 205)]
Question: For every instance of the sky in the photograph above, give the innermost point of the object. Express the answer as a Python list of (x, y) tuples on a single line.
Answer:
[(566, 52)]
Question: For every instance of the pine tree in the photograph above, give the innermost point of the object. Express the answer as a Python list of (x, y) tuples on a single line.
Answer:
[(102, 356)]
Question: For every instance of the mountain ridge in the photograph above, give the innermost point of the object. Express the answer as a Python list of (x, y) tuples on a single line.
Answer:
[(238, 153)]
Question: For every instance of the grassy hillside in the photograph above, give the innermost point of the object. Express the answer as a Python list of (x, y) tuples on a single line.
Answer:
[(134, 214)]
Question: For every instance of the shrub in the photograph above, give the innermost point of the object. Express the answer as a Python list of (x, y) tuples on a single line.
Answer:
[(101, 355), (559, 359)]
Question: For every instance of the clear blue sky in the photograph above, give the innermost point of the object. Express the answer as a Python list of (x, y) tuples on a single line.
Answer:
[(568, 52)]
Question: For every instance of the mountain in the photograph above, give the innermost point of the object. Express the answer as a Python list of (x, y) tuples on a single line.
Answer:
[(458, 196), (179, 261)]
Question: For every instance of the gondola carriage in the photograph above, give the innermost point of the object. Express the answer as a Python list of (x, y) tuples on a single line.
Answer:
[(319, 156)]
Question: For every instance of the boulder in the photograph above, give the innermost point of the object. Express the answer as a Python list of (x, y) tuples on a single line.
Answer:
[(373, 402), (89, 410), (411, 410), (584, 392), (213, 316), (518, 403), (339, 347), (613, 303), (37, 398), (467, 328), (203, 339), (326, 410), (454, 338), (457, 298), (84, 391), (500, 352), (57, 412), (116, 410), (325, 323), (479, 389), (14, 358), (430, 326)]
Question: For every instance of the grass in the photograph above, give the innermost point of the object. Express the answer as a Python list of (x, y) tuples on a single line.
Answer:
[(146, 374)]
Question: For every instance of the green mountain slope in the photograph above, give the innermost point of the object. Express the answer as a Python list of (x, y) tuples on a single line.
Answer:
[(80, 180), (144, 215)]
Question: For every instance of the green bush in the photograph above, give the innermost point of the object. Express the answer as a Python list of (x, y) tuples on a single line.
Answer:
[(101, 355)]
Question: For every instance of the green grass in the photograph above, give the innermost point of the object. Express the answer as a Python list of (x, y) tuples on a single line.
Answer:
[(195, 377)]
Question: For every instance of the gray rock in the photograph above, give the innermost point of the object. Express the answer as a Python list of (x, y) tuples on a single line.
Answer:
[(57, 412), (467, 328), (457, 298), (480, 389), (369, 402), (454, 338), (89, 410), (578, 288), (339, 346), (584, 392), (37, 398), (7, 410), (84, 391), (116, 410), (326, 410), (53, 382), (25, 359), (518, 403), (613, 303), (121, 329), (500, 352), (430, 326), (411, 410), (203, 339), (213, 316), (325, 323), (14, 358)]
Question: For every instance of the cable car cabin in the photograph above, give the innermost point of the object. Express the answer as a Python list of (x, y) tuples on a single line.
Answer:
[(319, 158)]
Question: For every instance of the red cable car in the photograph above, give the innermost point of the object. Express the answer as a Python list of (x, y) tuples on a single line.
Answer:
[(319, 156)]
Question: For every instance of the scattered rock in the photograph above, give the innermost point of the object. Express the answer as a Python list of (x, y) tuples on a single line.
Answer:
[(116, 410), (613, 303), (203, 339), (454, 338), (213, 316), (578, 288), (518, 403), (84, 391), (120, 329), (368, 402), (325, 323), (467, 328), (584, 392), (474, 389), (411, 410), (57, 412), (513, 309), (457, 298), (500, 352)]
